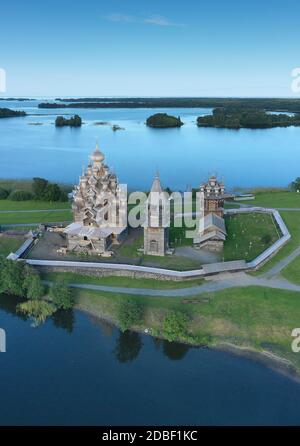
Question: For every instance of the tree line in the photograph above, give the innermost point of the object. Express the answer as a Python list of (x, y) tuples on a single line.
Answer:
[(8, 113), (41, 190), (253, 118), (22, 280), (271, 104)]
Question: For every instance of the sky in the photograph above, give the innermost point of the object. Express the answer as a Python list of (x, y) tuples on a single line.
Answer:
[(141, 48)]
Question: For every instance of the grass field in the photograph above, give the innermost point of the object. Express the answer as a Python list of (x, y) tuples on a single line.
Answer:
[(26, 184), (9, 244), (292, 220), (16, 184), (179, 263), (35, 217), (126, 282), (248, 235), (276, 200), (253, 317), (178, 237), (9, 205), (170, 262), (130, 249), (292, 271)]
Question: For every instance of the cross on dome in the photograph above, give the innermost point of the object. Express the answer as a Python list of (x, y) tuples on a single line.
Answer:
[(97, 155)]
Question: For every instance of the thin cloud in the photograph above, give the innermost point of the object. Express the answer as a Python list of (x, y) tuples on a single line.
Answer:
[(157, 20), (160, 20)]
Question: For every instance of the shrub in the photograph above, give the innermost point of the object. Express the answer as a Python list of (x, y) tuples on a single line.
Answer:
[(175, 326), (38, 186), (61, 295), (295, 185), (11, 277), (20, 195), (32, 284), (39, 310), (3, 193), (53, 192), (129, 313)]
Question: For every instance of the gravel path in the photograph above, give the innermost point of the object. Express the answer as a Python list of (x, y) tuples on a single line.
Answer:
[(282, 264), (208, 286), (213, 283)]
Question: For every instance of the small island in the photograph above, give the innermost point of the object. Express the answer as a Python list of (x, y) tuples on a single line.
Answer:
[(252, 118), (8, 113), (74, 121), (162, 120)]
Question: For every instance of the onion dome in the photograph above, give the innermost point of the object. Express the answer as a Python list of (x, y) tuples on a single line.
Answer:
[(97, 156)]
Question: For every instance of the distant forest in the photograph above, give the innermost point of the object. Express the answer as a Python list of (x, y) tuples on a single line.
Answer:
[(7, 113), (236, 118), (273, 104)]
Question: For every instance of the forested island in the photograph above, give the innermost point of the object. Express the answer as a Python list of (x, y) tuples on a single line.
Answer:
[(8, 113), (16, 99), (237, 118), (268, 104), (74, 121), (162, 120)]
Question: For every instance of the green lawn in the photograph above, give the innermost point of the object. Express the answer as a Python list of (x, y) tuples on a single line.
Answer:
[(26, 184), (130, 249), (292, 271), (9, 205), (292, 220), (253, 317), (275, 200), (35, 217), (248, 235), (9, 244), (178, 237), (169, 262), (126, 282), (16, 184), (231, 205), (179, 263)]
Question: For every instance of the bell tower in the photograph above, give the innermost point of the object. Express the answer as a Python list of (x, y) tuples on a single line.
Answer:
[(156, 226)]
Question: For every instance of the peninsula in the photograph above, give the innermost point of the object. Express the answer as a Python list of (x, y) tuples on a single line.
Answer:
[(253, 118), (8, 113)]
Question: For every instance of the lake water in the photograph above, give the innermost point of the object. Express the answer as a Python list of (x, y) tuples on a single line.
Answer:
[(184, 156), (75, 369)]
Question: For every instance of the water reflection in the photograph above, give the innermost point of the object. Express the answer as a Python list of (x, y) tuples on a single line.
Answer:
[(107, 328), (128, 346), (61, 318), (175, 351), (165, 385), (8, 304), (64, 319), (171, 350)]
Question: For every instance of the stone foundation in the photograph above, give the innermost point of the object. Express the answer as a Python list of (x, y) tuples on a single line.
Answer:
[(99, 272), (211, 245)]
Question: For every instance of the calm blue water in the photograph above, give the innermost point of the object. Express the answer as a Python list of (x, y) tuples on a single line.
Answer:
[(184, 156), (77, 370)]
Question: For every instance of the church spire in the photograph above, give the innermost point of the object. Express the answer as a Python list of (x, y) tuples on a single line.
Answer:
[(156, 185)]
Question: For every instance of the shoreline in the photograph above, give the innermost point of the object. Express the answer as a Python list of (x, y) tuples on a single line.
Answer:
[(267, 359)]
